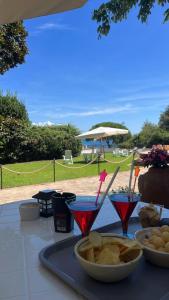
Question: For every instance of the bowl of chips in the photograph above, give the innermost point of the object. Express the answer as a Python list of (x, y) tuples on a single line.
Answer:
[(155, 243), (108, 257)]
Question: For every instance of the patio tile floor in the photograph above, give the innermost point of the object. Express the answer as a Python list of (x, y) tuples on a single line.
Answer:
[(80, 186)]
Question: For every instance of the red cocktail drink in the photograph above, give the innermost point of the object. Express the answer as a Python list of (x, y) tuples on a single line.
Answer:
[(85, 213), (124, 207)]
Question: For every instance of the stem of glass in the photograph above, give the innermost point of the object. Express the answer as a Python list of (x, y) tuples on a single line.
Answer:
[(125, 227), (84, 235)]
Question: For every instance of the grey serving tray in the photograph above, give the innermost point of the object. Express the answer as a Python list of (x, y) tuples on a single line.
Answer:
[(147, 282)]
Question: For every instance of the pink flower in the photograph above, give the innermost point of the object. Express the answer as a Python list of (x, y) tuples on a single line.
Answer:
[(157, 157)]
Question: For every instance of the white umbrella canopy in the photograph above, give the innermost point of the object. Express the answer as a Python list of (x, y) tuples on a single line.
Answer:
[(17, 10), (101, 132)]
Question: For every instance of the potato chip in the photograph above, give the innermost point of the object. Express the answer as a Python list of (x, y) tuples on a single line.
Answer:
[(106, 240), (113, 240), (90, 255), (95, 239), (113, 248), (122, 248), (85, 246), (129, 254), (131, 244), (106, 257), (96, 253)]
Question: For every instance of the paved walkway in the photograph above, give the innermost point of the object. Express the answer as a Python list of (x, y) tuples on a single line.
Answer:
[(82, 186)]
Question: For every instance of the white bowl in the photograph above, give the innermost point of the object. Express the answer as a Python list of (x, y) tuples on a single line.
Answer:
[(155, 257), (29, 211), (106, 273)]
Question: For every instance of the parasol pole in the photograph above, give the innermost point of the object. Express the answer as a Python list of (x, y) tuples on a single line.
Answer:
[(98, 157)]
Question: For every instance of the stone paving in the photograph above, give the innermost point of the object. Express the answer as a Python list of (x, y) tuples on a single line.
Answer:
[(80, 186)]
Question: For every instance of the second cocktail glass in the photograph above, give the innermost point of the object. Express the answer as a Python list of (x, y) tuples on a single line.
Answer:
[(124, 207)]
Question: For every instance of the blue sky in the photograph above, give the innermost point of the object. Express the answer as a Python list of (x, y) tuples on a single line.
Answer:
[(72, 77)]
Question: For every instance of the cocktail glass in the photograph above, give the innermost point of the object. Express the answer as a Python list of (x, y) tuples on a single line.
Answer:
[(124, 207), (85, 212)]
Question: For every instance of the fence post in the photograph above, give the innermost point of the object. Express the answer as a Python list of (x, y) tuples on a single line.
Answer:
[(1, 176), (54, 178), (98, 163)]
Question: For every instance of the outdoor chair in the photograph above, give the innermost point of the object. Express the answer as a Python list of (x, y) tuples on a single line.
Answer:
[(116, 152), (68, 159), (124, 152)]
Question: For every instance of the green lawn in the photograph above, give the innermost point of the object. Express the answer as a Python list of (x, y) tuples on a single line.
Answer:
[(61, 173)]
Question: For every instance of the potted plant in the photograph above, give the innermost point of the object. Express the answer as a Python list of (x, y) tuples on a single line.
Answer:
[(154, 184)]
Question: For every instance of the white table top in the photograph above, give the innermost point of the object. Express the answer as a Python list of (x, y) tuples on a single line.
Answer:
[(22, 277), (89, 151)]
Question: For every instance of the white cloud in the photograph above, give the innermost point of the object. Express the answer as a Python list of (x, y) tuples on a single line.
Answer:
[(100, 111), (51, 26), (160, 96), (47, 123), (54, 26)]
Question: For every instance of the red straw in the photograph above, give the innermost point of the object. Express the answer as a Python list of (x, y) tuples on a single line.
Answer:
[(102, 179), (109, 186)]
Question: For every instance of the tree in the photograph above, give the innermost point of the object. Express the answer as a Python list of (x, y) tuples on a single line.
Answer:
[(13, 48), (114, 11), (109, 124), (61, 138), (164, 119), (152, 135), (132, 142), (11, 106)]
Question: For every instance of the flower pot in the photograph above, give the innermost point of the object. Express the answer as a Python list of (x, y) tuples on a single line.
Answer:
[(154, 186)]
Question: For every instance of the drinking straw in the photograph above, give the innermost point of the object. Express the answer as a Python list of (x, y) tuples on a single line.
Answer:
[(131, 175), (109, 186), (130, 179), (136, 173), (102, 178)]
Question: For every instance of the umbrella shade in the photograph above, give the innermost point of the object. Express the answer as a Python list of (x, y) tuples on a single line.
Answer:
[(17, 10), (101, 132)]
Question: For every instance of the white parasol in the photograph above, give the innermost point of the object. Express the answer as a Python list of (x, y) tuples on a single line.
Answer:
[(101, 132), (17, 10)]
